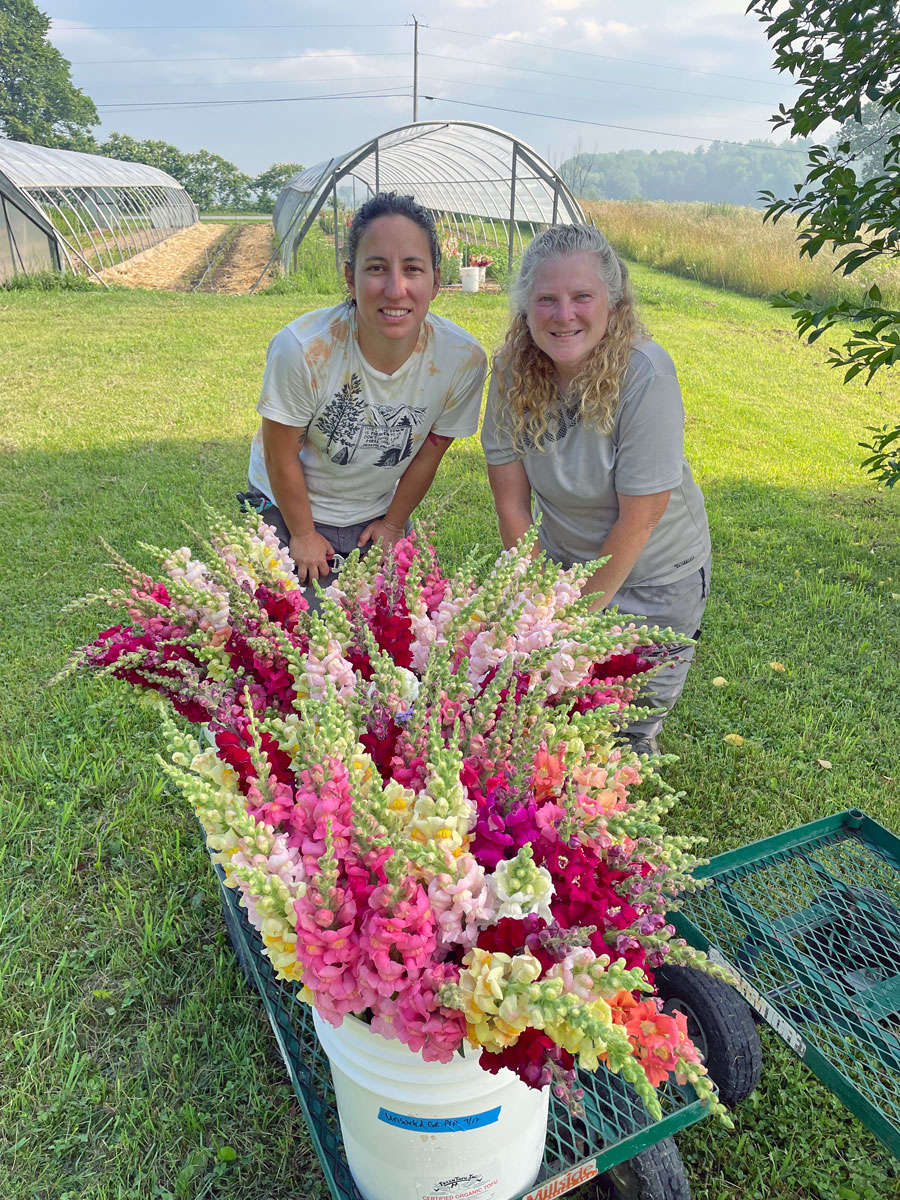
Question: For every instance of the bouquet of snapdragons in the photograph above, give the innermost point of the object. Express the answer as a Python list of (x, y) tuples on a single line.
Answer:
[(421, 792)]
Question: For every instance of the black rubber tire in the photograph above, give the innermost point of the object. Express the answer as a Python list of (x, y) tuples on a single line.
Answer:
[(721, 1025), (657, 1173)]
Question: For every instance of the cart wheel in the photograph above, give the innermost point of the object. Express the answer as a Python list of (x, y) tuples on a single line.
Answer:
[(721, 1026), (657, 1173), (237, 942)]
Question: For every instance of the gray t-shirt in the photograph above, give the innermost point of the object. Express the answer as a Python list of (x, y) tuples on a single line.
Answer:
[(574, 479)]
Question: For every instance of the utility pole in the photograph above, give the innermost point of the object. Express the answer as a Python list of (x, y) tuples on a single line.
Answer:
[(415, 69)]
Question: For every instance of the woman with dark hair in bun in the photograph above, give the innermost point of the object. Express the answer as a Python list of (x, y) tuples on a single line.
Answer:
[(585, 428), (360, 402)]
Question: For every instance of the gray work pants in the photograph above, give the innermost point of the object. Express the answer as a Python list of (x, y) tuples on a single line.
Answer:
[(679, 606), (342, 537)]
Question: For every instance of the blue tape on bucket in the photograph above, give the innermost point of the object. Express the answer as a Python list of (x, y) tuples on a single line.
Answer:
[(439, 1124)]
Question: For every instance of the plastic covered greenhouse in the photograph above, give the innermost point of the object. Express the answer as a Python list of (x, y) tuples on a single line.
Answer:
[(64, 210), (482, 185)]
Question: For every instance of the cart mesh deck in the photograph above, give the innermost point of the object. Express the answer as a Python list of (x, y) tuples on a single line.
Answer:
[(614, 1127), (810, 921)]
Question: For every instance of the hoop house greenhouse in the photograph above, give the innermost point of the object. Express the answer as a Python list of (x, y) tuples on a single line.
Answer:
[(482, 185), (61, 209)]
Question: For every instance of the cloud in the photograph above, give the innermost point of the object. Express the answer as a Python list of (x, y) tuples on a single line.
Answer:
[(79, 41), (598, 33), (726, 28), (315, 65)]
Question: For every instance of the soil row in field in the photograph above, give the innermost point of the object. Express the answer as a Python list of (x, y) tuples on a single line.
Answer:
[(208, 257), (244, 253)]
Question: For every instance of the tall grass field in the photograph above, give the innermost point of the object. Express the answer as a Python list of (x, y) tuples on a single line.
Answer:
[(729, 246), (134, 1063), (725, 245)]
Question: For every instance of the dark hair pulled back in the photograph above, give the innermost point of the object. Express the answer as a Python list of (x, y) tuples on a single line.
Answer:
[(392, 204)]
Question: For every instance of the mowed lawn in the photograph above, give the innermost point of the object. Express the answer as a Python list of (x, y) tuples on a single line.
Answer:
[(132, 1060)]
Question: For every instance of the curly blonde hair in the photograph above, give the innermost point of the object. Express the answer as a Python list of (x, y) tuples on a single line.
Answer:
[(527, 377)]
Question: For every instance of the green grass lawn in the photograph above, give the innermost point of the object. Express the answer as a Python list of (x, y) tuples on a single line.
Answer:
[(131, 1057)]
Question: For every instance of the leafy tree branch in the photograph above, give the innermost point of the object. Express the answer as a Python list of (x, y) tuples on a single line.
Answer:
[(845, 57)]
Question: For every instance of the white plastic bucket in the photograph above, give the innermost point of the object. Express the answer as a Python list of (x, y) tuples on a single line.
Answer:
[(415, 1130), (469, 278)]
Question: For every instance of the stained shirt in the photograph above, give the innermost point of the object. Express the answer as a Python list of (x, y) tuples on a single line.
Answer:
[(364, 427)]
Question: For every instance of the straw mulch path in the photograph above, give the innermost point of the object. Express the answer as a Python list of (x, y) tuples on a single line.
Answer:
[(171, 264)]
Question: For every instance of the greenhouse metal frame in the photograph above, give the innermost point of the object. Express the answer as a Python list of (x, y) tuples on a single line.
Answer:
[(478, 182), (62, 209)]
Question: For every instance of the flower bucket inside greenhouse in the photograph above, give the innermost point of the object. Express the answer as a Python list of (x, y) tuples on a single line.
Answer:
[(414, 1130), (469, 278)]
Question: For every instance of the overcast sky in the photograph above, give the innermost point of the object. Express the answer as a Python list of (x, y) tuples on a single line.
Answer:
[(323, 77)]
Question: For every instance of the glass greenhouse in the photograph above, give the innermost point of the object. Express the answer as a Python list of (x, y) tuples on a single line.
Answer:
[(64, 210), (482, 185)]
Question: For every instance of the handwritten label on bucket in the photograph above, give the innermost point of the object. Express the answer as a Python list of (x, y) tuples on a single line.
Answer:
[(439, 1124)]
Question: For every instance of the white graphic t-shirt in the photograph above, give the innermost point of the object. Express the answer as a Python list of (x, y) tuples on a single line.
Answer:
[(364, 427)]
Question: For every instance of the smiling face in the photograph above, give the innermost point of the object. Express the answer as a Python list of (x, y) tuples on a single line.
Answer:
[(393, 284), (568, 312)]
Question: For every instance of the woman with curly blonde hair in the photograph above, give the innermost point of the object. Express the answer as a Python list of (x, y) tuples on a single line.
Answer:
[(585, 429)]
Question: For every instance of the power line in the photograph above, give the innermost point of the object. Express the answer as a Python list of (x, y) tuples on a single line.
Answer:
[(388, 54), (496, 87), (398, 93), (110, 62), (164, 105), (150, 105), (168, 28), (606, 124), (593, 79), (592, 54), (372, 79), (382, 81)]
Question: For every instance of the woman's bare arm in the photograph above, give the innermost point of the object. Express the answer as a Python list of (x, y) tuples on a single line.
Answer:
[(412, 487), (309, 550), (512, 500), (638, 515)]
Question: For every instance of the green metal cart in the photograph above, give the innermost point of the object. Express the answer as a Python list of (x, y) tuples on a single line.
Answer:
[(809, 921), (615, 1141)]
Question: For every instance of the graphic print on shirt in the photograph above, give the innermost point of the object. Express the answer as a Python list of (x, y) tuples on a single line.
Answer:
[(352, 425), (565, 419)]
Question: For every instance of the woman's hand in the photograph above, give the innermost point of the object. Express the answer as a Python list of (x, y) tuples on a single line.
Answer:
[(385, 531), (311, 553)]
